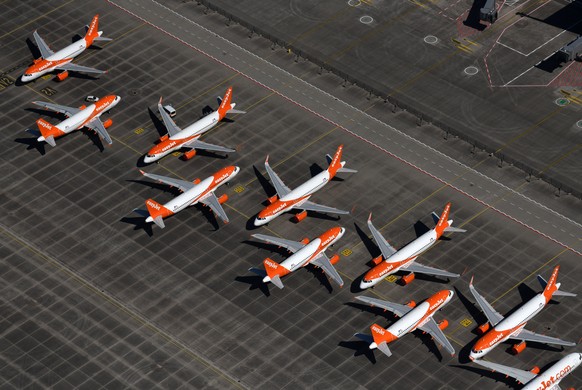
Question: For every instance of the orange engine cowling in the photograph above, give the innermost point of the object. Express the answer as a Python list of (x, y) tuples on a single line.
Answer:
[(535, 370), (196, 181), (223, 198), (272, 199), (411, 304), (518, 348), (482, 329), (334, 259), (444, 324), (164, 137), (300, 217), (406, 279), (107, 124), (189, 154), (63, 75), (377, 260), (305, 241)]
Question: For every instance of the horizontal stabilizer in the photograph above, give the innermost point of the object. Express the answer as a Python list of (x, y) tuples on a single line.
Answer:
[(383, 347), (103, 39), (235, 111), (451, 229), (51, 141), (544, 283), (159, 221), (347, 170), (258, 271), (276, 280)]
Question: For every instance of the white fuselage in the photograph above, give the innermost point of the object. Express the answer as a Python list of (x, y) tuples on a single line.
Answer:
[(404, 256), (190, 133), (69, 52), (553, 375), (303, 192), (512, 324)]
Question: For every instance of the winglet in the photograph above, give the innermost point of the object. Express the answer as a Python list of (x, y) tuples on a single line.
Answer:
[(267, 159), (370, 217), (160, 102), (142, 172), (471, 282)]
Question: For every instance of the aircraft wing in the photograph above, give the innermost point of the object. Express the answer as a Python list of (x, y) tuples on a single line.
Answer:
[(171, 126), (212, 201), (183, 185), (79, 68), (521, 375), (44, 49), (280, 187), (492, 315), (292, 246), (433, 329), (97, 125), (386, 249), (310, 206), (423, 269), (395, 308), (68, 111), (325, 264), (196, 144), (528, 335)]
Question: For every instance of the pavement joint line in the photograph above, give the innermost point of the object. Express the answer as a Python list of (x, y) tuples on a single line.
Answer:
[(133, 313), (35, 19)]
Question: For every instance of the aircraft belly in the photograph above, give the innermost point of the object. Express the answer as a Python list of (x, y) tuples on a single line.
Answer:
[(73, 50), (302, 256), (410, 320)]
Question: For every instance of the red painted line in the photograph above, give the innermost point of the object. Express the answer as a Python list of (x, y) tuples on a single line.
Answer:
[(345, 129)]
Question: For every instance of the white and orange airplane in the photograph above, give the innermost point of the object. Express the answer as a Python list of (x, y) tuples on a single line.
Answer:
[(532, 379), (404, 259), (512, 327), (77, 118), (198, 191), (188, 138), (61, 60), (304, 252), (412, 317), (287, 199)]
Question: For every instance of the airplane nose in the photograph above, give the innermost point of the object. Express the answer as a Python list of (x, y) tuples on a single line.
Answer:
[(258, 223), (363, 285)]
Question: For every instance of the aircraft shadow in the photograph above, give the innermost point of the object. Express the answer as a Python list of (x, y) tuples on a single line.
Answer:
[(360, 348), (45, 112), (139, 223), (33, 48), (158, 186), (255, 282), (496, 376), (32, 143), (265, 183), (473, 19), (158, 123), (269, 247)]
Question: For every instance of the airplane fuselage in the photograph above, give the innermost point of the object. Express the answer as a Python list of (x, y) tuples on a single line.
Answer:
[(553, 375), (81, 118), (293, 199), (63, 56), (400, 260), (177, 141), (418, 316), (511, 325)]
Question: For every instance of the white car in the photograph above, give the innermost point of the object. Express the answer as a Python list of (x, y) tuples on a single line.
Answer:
[(92, 99), (170, 110)]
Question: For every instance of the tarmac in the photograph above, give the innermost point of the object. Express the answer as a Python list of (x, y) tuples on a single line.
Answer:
[(92, 297)]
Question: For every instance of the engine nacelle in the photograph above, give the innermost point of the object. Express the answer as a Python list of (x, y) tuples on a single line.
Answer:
[(305, 241), (164, 137), (407, 279), (535, 370), (189, 154), (223, 198), (107, 124), (334, 259), (63, 75), (518, 348), (444, 324), (300, 217), (272, 199), (196, 181), (82, 107), (411, 304), (377, 260), (482, 329)]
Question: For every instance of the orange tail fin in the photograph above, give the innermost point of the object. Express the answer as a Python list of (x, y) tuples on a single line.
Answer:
[(93, 30), (552, 285), (379, 334), (336, 162), (48, 131), (157, 210), (274, 269), (225, 104), (443, 222)]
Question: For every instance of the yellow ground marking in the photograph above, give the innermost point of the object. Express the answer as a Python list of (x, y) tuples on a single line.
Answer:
[(346, 252), (391, 278), (238, 189), (35, 19), (139, 131), (113, 301), (466, 322)]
